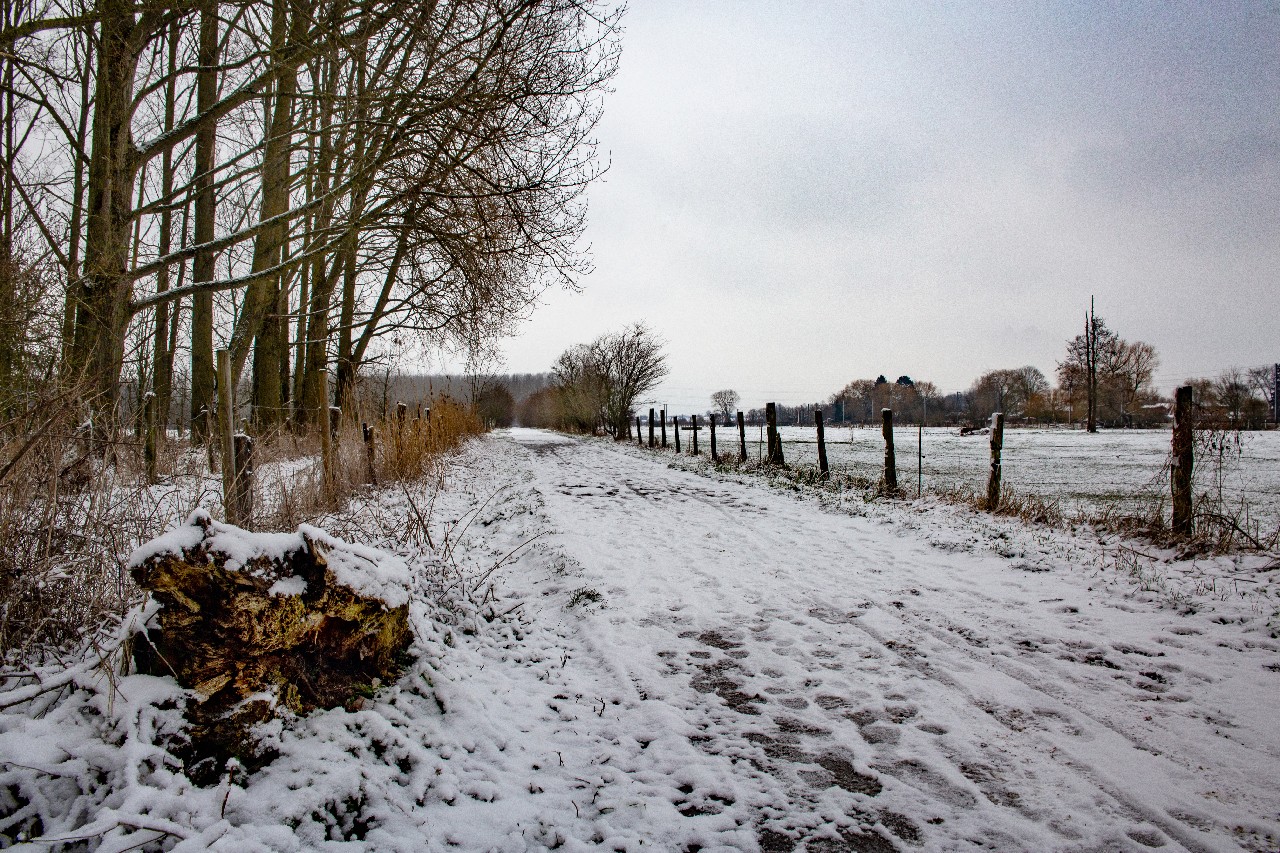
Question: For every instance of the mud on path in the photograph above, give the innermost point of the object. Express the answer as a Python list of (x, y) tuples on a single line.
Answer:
[(763, 673)]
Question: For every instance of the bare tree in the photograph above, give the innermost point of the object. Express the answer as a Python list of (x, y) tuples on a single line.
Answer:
[(1263, 380), (581, 389), (633, 364), (599, 383), (1087, 353), (356, 170), (725, 402)]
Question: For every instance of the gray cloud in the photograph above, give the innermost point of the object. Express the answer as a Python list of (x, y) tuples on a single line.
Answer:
[(803, 193)]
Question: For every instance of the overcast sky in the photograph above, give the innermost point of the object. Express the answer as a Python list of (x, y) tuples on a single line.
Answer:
[(805, 193)]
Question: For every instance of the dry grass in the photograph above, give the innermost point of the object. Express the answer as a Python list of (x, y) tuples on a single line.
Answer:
[(69, 517), (295, 489), (71, 514)]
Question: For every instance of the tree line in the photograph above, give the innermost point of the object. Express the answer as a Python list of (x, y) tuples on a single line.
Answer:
[(310, 185), (1102, 380)]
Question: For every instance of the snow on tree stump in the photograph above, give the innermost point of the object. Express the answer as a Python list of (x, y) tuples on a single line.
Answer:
[(257, 625)]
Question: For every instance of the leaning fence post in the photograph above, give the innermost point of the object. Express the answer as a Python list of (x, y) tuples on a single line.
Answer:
[(639, 434), (1183, 460), (695, 435), (675, 425), (890, 458), (742, 438), (822, 442), (226, 431), (151, 439), (997, 444), (651, 429), (714, 456), (242, 494), (371, 473), (775, 440)]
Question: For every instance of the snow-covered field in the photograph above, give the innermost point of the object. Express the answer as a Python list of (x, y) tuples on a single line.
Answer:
[(1079, 469), (665, 658)]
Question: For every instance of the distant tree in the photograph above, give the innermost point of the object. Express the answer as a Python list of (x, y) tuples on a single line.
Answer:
[(600, 382), (1232, 393), (857, 400), (541, 409), (930, 399), (1129, 376), (1229, 401), (993, 391), (1262, 379), (1079, 370), (580, 389), (1110, 377), (633, 364), (862, 400), (725, 403), (1028, 382), (494, 404)]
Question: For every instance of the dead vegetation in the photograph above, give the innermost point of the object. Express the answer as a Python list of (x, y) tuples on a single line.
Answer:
[(74, 505)]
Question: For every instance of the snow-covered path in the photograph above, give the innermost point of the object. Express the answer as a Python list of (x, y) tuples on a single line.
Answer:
[(624, 650), (761, 671)]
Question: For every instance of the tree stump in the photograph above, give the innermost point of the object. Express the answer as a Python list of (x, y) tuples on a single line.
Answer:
[(255, 624)]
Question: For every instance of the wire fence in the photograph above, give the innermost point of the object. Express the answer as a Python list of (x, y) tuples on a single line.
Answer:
[(1076, 468)]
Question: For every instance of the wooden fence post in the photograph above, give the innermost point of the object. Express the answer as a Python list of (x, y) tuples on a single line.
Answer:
[(151, 440), (242, 494), (639, 435), (714, 456), (226, 432), (322, 423), (663, 420), (997, 445), (675, 425), (371, 473), (742, 438), (402, 412), (775, 440), (890, 458), (651, 429), (209, 422), (331, 455), (695, 435), (1183, 461), (822, 443)]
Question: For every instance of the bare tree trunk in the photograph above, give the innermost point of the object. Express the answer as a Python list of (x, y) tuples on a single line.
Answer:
[(162, 356), (315, 362), (102, 294), (347, 363), (10, 335), (346, 379), (259, 319), (78, 189), (1091, 364), (202, 367), (297, 414)]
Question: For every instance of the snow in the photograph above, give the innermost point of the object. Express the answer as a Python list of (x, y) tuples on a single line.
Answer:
[(292, 585), (622, 649), (365, 570), (1080, 469)]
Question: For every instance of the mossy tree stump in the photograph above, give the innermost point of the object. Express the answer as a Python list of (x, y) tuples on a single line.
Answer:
[(255, 623)]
